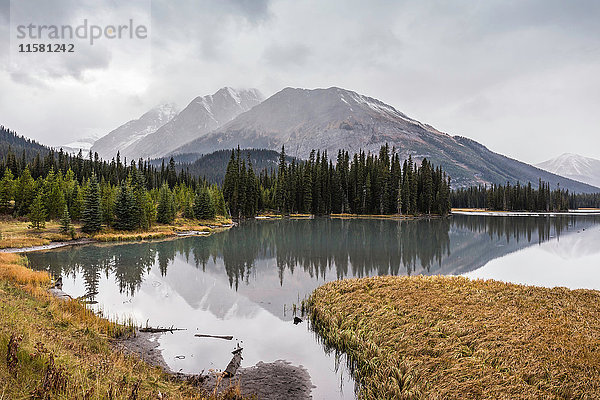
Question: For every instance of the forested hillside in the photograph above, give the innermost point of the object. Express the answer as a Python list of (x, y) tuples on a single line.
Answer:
[(212, 167), (15, 146)]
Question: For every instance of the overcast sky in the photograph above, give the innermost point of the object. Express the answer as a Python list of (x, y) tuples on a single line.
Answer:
[(521, 77)]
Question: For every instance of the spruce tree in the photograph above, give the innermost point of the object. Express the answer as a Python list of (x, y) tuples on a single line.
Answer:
[(77, 202), (24, 193), (125, 218), (65, 221), (203, 207), (166, 206), (219, 202), (91, 216), (37, 213), (107, 203), (6, 190)]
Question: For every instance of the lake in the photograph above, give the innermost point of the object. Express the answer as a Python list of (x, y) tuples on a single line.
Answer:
[(245, 281)]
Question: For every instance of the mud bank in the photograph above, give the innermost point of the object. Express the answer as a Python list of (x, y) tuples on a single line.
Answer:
[(267, 381)]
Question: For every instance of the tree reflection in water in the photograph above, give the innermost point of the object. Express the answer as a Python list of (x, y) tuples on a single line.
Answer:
[(350, 248)]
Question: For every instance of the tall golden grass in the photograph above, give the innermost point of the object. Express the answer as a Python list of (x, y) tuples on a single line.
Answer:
[(62, 350), (13, 269), (454, 338)]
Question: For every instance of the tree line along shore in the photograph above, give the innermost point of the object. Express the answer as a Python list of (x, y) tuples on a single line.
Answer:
[(96, 195), (108, 198)]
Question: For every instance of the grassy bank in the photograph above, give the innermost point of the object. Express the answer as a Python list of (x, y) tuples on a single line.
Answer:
[(17, 234), (61, 350), (451, 338)]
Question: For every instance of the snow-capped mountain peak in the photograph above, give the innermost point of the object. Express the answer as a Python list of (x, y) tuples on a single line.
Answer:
[(201, 116), (574, 166), (128, 134), (84, 144)]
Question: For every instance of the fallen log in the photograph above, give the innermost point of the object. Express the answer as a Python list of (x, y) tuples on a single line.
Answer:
[(215, 336), (234, 364), (87, 296), (160, 329)]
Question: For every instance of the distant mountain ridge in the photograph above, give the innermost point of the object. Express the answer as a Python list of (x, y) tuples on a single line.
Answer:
[(335, 118), (202, 115), (125, 137), (574, 166)]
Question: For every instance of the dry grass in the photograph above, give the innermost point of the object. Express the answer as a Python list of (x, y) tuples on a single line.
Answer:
[(16, 233), (61, 350), (453, 338), (12, 268), (160, 231), (117, 236)]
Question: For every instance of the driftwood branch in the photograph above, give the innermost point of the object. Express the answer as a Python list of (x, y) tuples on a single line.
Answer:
[(215, 336), (87, 296), (234, 364), (160, 329)]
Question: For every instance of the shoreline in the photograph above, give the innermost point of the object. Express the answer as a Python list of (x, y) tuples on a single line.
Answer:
[(120, 239), (269, 381), (136, 362), (492, 213), (395, 217)]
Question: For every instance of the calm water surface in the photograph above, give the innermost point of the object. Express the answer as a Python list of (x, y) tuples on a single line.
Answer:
[(243, 282)]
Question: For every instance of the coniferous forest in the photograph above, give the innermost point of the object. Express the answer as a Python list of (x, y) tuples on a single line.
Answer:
[(60, 186), (522, 198), (48, 185), (361, 184)]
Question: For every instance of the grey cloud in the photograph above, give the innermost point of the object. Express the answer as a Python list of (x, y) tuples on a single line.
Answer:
[(291, 55), (466, 67)]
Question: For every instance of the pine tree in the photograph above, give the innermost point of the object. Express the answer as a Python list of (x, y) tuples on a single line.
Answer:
[(231, 183), (91, 214), (217, 199), (107, 203), (149, 211), (77, 202), (24, 193), (203, 207), (37, 214), (65, 221), (6, 190), (166, 206), (125, 218)]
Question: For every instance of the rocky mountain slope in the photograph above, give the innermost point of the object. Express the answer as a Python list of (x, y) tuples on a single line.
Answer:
[(201, 116), (335, 118), (124, 138), (574, 166)]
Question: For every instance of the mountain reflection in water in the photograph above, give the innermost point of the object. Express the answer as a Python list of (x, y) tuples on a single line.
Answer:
[(243, 282), (323, 248)]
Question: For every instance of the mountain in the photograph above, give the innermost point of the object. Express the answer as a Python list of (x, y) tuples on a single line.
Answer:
[(84, 144), (212, 166), (201, 116), (127, 135), (335, 118), (11, 143), (574, 166)]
